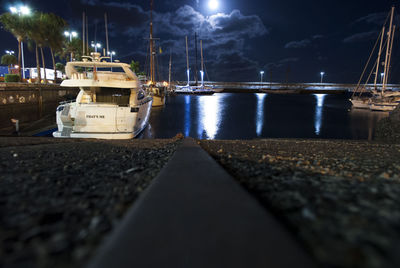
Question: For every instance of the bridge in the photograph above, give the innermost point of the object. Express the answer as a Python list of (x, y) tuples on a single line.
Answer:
[(289, 87)]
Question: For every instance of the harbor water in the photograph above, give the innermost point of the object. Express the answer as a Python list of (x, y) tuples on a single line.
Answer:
[(260, 115)]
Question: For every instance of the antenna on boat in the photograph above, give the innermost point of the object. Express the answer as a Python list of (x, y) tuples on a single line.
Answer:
[(106, 25)]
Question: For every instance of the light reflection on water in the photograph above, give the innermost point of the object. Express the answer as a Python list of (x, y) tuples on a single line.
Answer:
[(188, 119), (318, 112), (210, 111), (260, 113), (249, 116)]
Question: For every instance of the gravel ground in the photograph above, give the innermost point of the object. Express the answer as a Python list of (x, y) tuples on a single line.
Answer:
[(341, 199), (388, 129), (58, 198)]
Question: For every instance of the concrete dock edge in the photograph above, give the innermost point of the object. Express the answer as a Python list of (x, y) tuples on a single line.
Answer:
[(195, 214)]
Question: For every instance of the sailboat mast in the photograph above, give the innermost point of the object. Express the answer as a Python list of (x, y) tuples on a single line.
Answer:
[(390, 54), (379, 57), (83, 34), (195, 66), (170, 69), (106, 25), (202, 63), (187, 61), (87, 36), (152, 75), (388, 51)]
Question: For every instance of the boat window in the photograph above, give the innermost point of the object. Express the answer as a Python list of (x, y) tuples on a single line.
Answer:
[(140, 94), (119, 96), (114, 70)]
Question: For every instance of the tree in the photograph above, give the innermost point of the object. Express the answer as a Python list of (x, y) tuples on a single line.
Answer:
[(54, 27), (135, 66), (74, 47), (9, 60), (18, 26), (34, 35), (60, 67)]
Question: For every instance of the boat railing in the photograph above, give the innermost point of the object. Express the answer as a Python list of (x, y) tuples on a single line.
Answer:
[(66, 102)]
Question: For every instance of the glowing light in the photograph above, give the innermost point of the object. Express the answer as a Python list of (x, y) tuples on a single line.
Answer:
[(21, 10), (25, 10), (165, 84), (213, 4)]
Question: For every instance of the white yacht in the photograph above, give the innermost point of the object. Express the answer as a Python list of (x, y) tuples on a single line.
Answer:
[(111, 103)]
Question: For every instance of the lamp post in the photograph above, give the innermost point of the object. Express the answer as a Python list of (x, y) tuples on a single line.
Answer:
[(111, 53), (10, 52), (70, 34), (95, 46), (382, 75), (261, 74), (21, 11), (322, 76)]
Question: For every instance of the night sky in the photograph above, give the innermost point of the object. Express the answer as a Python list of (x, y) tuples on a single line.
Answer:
[(290, 40)]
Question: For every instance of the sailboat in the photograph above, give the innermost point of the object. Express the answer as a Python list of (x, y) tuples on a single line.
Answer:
[(158, 90), (198, 90), (383, 100)]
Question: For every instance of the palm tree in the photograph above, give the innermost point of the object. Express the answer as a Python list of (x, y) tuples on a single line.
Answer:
[(35, 37), (8, 60), (53, 29), (18, 26)]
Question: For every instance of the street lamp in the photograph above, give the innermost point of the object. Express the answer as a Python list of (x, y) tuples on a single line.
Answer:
[(382, 75), (261, 74), (96, 46), (10, 52), (322, 76), (70, 35), (24, 11), (111, 54)]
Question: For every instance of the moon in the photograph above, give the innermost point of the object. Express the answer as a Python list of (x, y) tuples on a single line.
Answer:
[(213, 4)]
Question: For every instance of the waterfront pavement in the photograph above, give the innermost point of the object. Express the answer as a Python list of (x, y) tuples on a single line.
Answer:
[(195, 215), (61, 199)]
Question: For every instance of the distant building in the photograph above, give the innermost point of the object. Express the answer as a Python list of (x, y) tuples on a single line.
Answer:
[(32, 73), (4, 71), (49, 73)]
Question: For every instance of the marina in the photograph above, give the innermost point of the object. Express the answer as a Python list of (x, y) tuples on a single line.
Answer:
[(199, 134)]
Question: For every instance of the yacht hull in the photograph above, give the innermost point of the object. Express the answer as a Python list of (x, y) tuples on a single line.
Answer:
[(360, 103), (158, 101), (384, 107), (102, 121)]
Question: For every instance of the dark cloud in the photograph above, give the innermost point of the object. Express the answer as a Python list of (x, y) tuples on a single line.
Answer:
[(375, 18), (280, 64), (298, 44), (361, 37)]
